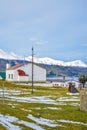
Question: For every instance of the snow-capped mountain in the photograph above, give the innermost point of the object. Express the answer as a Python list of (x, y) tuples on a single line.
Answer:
[(5, 55), (50, 61), (45, 60)]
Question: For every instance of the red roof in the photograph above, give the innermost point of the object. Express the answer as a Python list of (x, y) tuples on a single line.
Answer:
[(15, 67), (21, 73)]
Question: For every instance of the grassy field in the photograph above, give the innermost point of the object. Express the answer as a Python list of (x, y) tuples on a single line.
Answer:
[(48, 108)]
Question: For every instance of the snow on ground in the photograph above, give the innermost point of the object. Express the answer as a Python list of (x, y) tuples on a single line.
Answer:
[(74, 104), (68, 99), (72, 93), (43, 121), (31, 125), (62, 103), (39, 99), (33, 99), (54, 108), (72, 122), (12, 92), (7, 121), (44, 99), (26, 110)]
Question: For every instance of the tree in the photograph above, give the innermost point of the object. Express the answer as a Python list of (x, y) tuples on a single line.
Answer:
[(83, 79)]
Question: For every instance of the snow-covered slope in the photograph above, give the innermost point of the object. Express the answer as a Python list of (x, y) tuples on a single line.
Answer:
[(45, 60), (5, 55), (50, 61), (76, 63)]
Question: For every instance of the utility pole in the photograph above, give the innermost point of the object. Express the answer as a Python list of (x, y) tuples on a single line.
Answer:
[(3, 97), (32, 70)]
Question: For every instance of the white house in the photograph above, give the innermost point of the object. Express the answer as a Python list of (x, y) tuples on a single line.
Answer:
[(23, 72), (62, 83)]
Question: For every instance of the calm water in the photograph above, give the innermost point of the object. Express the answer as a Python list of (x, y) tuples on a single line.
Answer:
[(61, 78)]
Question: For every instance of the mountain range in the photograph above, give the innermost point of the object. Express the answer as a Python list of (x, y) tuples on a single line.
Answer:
[(53, 67), (45, 60)]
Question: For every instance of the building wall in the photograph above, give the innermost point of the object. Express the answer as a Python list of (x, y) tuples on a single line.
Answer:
[(23, 78), (58, 84), (12, 75), (9, 74), (39, 73)]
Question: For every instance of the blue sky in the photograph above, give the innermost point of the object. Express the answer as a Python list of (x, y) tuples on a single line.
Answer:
[(56, 28)]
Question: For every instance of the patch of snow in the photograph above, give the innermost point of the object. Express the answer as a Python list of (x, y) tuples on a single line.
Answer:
[(75, 104), (35, 99), (54, 108), (76, 63), (43, 121), (26, 110), (13, 92), (10, 104), (72, 93), (7, 121), (62, 103), (31, 125), (72, 122), (66, 99)]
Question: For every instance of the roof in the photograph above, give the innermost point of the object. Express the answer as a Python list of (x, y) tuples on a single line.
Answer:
[(19, 65), (15, 67), (21, 73)]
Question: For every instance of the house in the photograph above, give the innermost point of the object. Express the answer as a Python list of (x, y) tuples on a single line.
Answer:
[(23, 72), (65, 83)]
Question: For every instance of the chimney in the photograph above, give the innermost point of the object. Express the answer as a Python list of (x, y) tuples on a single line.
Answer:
[(8, 65)]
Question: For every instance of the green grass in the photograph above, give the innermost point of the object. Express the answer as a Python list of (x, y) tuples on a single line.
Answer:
[(22, 109)]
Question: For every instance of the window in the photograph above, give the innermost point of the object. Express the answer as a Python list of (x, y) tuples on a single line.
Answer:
[(8, 76), (11, 76)]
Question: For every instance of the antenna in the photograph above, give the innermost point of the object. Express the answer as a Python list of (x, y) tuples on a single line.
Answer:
[(24, 60)]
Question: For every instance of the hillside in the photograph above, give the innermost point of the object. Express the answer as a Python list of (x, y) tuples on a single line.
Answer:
[(56, 70)]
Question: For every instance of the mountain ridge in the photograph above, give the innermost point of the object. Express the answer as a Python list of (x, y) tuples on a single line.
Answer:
[(50, 61), (44, 60)]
